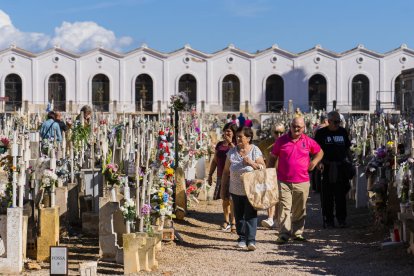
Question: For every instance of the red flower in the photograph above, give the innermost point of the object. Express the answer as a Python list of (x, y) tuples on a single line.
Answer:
[(161, 132), (161, 157)]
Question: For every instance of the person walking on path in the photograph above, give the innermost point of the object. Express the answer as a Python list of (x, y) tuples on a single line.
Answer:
[(292, 151), (248, 122), (245, 157), (242, 120), (219, 159), (50, 128), (335, 143), (277, 131)]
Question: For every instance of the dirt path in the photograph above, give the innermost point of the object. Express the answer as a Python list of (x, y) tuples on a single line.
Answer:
[(351, 251), (208, 251)]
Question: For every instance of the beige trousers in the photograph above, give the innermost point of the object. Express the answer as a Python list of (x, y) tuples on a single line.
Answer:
[(292, 208)]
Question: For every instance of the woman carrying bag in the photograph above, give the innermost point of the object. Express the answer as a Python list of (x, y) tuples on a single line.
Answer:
[(245, 157)]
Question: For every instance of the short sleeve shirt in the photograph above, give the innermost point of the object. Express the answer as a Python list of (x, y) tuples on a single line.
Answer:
[(221, 153), (237, 168), (294, 157)]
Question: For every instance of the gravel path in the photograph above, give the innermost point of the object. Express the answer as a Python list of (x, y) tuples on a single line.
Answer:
[(208, 251), (351, 251)]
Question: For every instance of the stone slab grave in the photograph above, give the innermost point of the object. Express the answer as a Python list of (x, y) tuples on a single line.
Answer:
[(111, 228), (73, 214), (360, 184), (49, 232), (62, 203), (93, 185), (180, 196), (88, 268), (139, 252), (11, 262)]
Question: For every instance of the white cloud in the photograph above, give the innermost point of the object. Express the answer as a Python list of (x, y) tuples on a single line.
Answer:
[(82, 36), (77, 37)]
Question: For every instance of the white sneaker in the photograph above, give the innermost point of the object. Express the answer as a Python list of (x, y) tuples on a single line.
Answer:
[(241, 244), (251, 247), (268, 223)]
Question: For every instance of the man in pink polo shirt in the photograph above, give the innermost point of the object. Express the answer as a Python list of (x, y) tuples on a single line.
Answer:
[(292, 153)]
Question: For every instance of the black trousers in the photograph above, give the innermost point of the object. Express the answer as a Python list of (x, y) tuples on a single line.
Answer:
[(334, 196)]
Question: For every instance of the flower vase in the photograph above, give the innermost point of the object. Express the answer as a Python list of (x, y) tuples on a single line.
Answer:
[(46, 199), (161, 226), (113, 194), (128, 227)]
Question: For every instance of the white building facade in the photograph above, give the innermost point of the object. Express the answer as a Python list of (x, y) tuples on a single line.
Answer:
[(230, 80)]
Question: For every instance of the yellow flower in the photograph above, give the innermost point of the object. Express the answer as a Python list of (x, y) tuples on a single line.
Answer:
[(390, 144), (160, 194), (162, 206), (169, 171), (162, 189)]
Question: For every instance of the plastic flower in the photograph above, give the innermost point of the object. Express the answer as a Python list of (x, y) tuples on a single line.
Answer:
[(146, 209)]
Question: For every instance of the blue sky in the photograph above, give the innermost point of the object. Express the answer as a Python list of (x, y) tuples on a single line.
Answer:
[(208, 25)]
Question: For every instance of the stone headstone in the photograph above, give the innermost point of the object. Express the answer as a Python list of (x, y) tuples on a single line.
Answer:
[(88, 268), (180, 196), (49, 232), (73, 204), (93, 185), (361, 195), (108, 238), (13, 262)]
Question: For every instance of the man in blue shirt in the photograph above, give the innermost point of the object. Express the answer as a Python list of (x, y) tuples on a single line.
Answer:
[(50, 128)]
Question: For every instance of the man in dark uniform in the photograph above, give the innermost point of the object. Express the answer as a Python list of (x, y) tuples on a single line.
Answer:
[(335, 143)]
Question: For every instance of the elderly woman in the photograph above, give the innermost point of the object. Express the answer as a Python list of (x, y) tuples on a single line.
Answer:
[(222, 147), (245, 157)]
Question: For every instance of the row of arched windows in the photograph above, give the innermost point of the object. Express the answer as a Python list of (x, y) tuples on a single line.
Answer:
[(144, 91)]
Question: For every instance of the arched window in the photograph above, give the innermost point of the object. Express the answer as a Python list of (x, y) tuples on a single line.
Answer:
[(317, 92), (144, 92), (100, 93), (231, 93), (397, 93), (57, 92), (274, 93), (188, 84), (13, 91), (360, 92)]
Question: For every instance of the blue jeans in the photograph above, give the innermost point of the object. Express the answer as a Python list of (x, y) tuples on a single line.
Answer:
[(246, 219)]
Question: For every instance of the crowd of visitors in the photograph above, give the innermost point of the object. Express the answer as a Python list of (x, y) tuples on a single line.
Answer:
[(298, 160)]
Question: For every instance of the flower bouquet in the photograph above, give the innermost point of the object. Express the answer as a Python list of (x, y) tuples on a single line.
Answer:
[(49, 180), (4, 143), (179, 102), (129, 212), (111, 174)]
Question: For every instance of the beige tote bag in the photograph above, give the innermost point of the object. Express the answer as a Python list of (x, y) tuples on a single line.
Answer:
[(261, 188)]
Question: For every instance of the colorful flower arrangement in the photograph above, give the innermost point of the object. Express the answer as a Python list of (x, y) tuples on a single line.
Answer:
[(161, 199), (111, 174)]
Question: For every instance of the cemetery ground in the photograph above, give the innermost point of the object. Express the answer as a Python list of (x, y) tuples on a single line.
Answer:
[(205, 250)]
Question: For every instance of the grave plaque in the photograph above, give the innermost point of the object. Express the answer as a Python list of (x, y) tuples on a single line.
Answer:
[(58, 260)]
